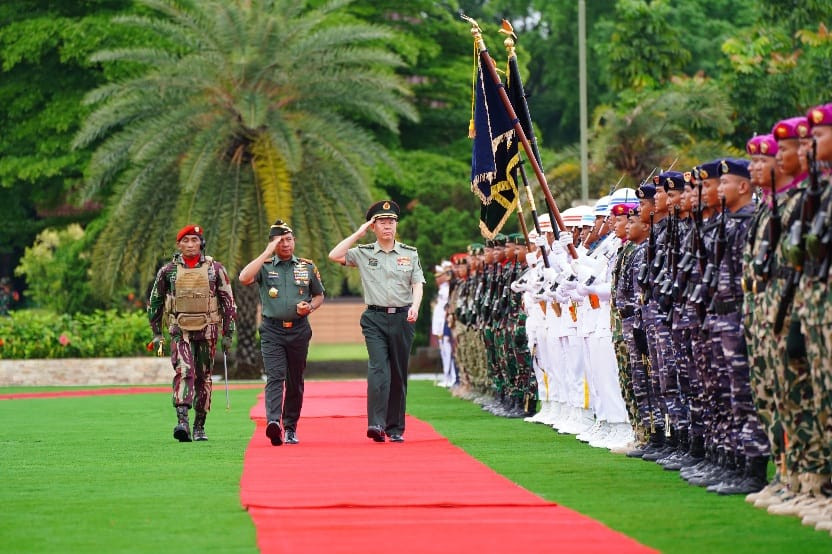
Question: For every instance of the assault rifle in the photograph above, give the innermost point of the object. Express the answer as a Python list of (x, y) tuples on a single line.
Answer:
[(765, 254), (795, 251), (673, 262), (643, 277), (720, 246)]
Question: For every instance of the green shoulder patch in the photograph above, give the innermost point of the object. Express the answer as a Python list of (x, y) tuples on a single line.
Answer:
[(407, 246), (365, 246)]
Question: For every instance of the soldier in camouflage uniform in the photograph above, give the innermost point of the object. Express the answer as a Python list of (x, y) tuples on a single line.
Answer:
[(523, 383), (194, 292), (653, 213), (812, 310), (710, 391), (629, 309), (619, 213), (746, 438), (783, 344), (757, 256)]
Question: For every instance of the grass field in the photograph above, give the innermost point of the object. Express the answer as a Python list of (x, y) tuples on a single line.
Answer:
[(339, 352), (102, 473)]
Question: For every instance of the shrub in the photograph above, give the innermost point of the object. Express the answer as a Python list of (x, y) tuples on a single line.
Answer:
[(28, 334), (56, 267)]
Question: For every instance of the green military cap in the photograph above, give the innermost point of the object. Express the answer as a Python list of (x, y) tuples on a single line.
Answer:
[(489, 243), (383, 209), (517, 238), (475, 248), (499, 239), (279, 228)]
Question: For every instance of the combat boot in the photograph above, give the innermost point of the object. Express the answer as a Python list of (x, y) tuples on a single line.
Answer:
[(655, 447), (661, 447), (182, 431), (199, 427), (705, 464), (694, 454), (736, 472), (671, 463), (753, 481), (712, 474)]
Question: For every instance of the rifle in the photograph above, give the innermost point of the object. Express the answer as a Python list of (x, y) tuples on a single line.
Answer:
[(643, 277), (765, 254), (668, 289), (795, 252), (721, 244)]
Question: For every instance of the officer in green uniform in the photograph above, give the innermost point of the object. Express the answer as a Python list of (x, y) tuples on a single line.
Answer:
[(290, 289), (392, 279)]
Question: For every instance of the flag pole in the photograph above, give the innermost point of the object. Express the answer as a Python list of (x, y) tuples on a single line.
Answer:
[(487, 62)]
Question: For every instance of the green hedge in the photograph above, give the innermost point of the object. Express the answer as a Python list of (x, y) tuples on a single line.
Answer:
[(27, 334)]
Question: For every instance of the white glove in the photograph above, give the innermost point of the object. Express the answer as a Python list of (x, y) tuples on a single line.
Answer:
[(565, 239), (541, 241)]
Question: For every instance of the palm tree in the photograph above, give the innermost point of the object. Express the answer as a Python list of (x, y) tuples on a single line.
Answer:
[(237, 113)]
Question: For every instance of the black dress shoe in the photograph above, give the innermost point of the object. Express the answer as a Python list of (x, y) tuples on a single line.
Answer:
[(396, 438), (275, 433), (291, 437), (376, 433)]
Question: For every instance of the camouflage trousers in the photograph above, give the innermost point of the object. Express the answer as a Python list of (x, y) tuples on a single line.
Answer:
[(763, 380), (680, 337), (525, 384), (655, 355), (718, 387), (193, 364), (649, 416), (786, 352), (478, 369), (625, 381), (813, 310), (746, 432), (696, 398)]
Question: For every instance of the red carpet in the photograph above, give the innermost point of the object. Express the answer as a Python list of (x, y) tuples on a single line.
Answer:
[(337, 491)]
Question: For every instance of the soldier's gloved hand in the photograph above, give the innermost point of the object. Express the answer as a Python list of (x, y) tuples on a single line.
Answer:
[(541, 241), (226, 343), (565, 239)]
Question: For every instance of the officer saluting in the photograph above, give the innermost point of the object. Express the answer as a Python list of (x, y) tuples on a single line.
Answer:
[(290, 289), (392, 279)]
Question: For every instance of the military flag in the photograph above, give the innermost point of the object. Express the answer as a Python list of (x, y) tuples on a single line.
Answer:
[(494, 158)]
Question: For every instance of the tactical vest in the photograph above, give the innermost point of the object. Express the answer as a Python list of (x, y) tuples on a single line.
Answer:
[(192, 306)]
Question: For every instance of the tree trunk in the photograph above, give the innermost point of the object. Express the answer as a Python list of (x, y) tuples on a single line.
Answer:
[(248, 363)]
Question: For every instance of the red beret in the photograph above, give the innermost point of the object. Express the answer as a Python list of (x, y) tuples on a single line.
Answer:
[(820, 115), (189, 230)]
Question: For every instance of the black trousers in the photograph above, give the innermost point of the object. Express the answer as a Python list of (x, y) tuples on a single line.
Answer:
[(388, 338), (284, 357)]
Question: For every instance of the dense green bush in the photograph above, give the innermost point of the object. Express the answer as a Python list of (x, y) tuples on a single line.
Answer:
[(29, 334)]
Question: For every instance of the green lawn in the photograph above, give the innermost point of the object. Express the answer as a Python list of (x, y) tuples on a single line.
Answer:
[(100, 474), (344, 352)]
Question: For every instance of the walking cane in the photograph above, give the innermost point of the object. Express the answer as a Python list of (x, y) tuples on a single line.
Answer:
[(225, 367)]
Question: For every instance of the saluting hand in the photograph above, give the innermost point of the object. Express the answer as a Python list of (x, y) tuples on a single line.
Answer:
[(363, 229), (272, 246)]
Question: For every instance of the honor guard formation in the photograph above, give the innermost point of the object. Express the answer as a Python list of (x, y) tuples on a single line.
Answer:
[(692, 330)]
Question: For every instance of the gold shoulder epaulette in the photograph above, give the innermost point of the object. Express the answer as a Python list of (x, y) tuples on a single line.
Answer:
[(209, 259)]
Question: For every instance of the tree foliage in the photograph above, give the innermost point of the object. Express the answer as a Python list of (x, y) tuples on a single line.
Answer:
[(237, 107)]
